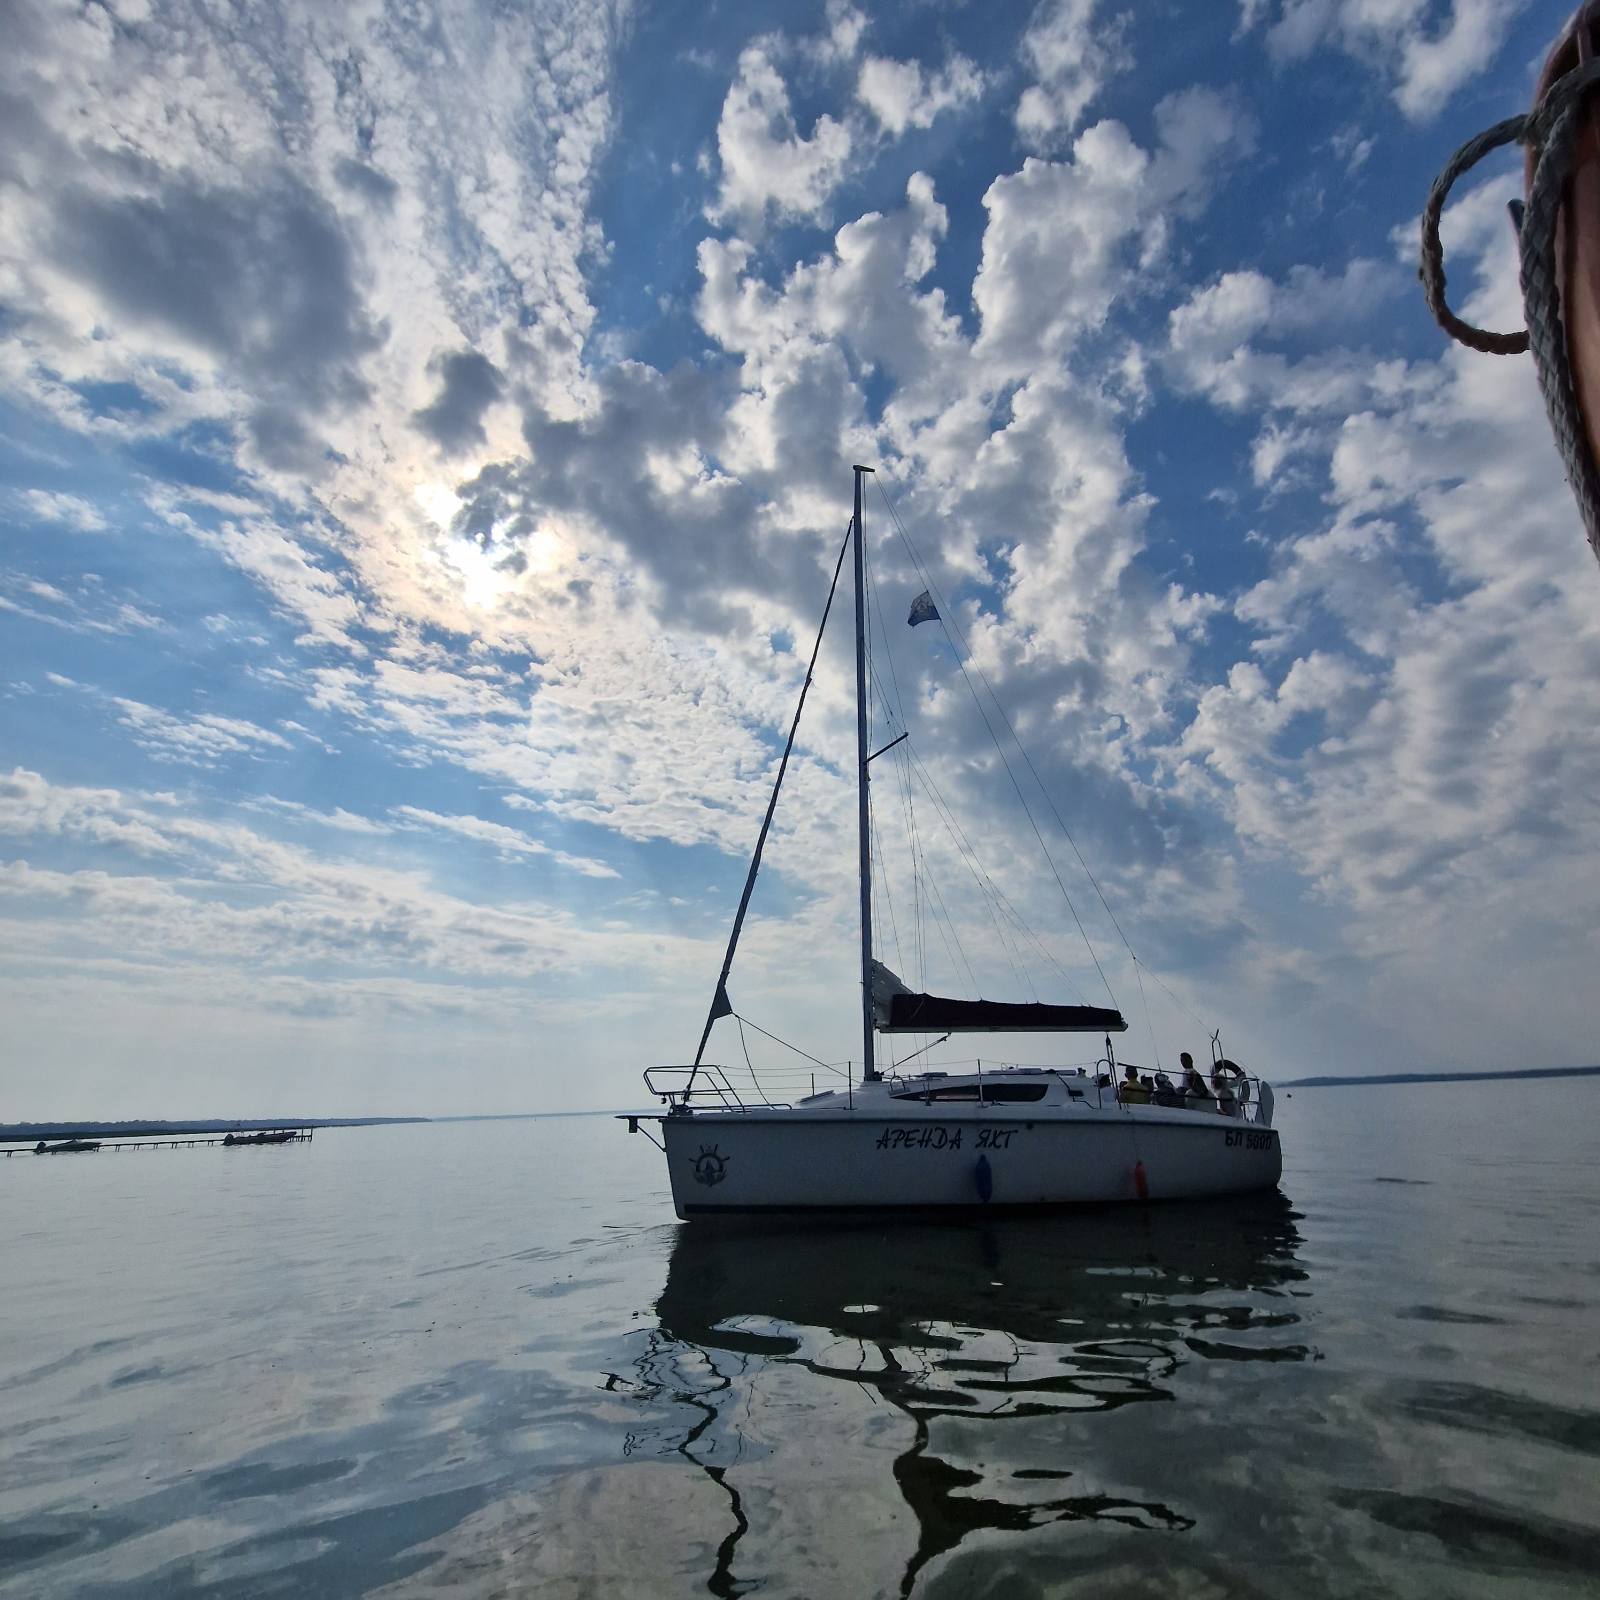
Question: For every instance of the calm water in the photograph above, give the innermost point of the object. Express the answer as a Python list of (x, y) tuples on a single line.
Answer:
[(482, 1359)]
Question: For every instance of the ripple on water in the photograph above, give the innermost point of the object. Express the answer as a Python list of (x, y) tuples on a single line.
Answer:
[(1477, 1409), (1465, 1319), (264, 1479), (1484, 1536)]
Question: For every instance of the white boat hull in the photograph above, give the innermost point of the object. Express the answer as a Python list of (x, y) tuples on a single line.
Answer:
[(928, 1158)]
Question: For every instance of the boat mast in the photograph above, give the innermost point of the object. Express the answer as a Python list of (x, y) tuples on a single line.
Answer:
[(869, 1072)]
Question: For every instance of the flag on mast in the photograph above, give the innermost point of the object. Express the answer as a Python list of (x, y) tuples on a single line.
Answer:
[(923, 609)]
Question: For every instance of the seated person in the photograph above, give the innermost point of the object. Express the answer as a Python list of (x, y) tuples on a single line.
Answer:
[(1195, 1094), (1222, 1086), (1130, 1091), (1164, 1093)]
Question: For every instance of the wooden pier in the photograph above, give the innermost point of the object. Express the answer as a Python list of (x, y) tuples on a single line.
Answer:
[(233, 1138)]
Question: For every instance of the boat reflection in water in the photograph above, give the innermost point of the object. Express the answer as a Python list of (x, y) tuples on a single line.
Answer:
[(877, 1394)]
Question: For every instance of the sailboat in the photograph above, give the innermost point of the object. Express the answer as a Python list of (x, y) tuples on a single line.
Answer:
[(993, 1138)]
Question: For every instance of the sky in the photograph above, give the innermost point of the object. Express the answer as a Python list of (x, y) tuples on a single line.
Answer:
[(425, 442)]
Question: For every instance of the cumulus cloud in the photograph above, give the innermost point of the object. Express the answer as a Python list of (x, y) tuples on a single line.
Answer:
[(902, 94), (1072, 48), (469, 384), (1215, 338), (1426, 58), (846, 23), (768, 166), (1055, 249), (259, 280)]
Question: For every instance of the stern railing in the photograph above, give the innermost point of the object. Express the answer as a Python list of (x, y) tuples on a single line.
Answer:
[(1251, 1100), (709, 1085)]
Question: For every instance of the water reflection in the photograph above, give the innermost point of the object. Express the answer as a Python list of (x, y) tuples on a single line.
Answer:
[(994, 1346)]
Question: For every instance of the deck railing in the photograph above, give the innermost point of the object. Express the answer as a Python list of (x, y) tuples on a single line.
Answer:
[(707, 1084), (1246, 1104), (744, 1088)]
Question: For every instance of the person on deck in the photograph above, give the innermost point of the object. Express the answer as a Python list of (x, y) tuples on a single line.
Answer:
[(1130, 1091), (1196, 1096), (1222, 1088), (1164, 1093)]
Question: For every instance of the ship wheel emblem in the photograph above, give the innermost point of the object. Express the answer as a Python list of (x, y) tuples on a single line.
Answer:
[(710, 1166)]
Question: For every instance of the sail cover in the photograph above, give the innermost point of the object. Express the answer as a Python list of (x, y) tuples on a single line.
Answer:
[(897, 1009)]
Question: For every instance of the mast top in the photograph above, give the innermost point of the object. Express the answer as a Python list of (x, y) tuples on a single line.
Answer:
[(863, 469)]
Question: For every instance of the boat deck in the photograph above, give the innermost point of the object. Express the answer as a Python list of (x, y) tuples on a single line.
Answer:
[(1032, 1093)]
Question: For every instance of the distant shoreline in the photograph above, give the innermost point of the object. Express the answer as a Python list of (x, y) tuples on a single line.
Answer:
[(16, 1132), (153, 1127), (1439, 1077)]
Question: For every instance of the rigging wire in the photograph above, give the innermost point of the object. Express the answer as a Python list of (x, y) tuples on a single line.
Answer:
[(952, 939), (1021, 748), (908, 810), (988, 892), (918, 860), (1183, 1005), (827, 1066), (879, 857), (888, 894), (720, 1004), (953, 628), (958, 638), (894, 715), (953, 632), (894, 677), (1149, 1020), (998, 907), (933, 1045), (987, 885), (749, 1064)]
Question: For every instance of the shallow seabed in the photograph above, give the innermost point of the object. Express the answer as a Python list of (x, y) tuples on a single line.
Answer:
[(482, 1359)]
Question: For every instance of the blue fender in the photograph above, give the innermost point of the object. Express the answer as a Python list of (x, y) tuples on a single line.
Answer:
[(983, 1176)]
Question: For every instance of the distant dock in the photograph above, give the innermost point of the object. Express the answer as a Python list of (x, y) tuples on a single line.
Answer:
[(85, 1144)]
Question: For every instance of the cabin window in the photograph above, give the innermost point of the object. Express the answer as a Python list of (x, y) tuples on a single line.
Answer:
[(994, 1094), (1011, 1094)]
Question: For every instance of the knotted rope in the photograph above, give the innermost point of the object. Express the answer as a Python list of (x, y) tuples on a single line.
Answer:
[(1550, 131)]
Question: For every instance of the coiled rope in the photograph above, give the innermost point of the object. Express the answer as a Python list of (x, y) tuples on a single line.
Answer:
[(1550, 132)]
